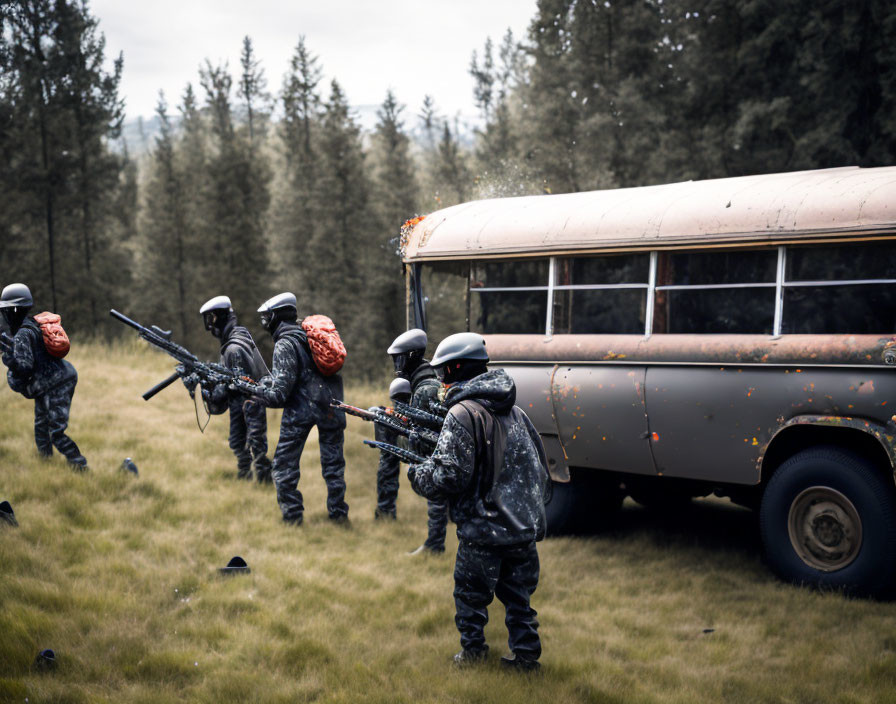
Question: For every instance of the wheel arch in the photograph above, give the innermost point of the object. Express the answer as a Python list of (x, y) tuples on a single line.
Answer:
[(865, 438)]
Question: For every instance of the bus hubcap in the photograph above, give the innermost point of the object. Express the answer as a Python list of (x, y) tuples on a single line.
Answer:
[(825, 528)]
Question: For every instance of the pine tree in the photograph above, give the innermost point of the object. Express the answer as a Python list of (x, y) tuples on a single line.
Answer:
[(237, 202), (452, 172), (297, 208), (62, 109), (90, 97), (395, 196), (499, 170), (168, 246), (550, 114), (338, 284), (253, 91)]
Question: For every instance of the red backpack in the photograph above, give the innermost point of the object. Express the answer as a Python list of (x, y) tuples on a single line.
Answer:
[(327, 349), (55, 339)]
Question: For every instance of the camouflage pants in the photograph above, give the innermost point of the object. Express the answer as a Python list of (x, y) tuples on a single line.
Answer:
[(387, 472), (249, 438), (51, 411), (387, 492), (510, 573), (287, 471)]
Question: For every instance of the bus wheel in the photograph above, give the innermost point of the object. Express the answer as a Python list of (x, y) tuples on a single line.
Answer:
[(559, 507), (581, 505), (828, 519)]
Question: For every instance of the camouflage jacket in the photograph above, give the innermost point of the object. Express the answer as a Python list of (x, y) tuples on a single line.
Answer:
[(424, 388), (238, 352), (424, 394), (32, 370), (296, 384), (489, 464)]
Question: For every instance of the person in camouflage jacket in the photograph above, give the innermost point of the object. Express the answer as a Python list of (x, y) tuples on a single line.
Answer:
[(304, 394), (37, 375), (248, 418), (407, 352), (490, 467)]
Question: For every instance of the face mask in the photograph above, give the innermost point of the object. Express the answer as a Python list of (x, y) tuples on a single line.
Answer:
[(401, 362), (14, 317)]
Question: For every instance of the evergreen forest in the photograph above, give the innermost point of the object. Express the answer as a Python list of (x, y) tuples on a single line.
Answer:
[(252, 188)]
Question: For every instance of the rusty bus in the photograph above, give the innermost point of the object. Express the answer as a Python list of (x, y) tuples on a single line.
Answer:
[(731, 337)]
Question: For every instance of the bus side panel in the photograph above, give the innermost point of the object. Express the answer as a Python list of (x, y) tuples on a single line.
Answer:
[(533, 394), (714, 423), (602, 418)]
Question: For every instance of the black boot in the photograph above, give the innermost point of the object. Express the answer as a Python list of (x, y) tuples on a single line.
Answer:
[(467, 657), (512, 661)]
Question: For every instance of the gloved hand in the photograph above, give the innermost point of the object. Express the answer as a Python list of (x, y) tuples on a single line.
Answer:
[(190, 381), (240, 385)]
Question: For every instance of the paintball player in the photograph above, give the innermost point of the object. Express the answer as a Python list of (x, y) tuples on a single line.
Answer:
[(248, 421), (36, 374), (387, 472), (407, 352), (489, 464), (297, 386)]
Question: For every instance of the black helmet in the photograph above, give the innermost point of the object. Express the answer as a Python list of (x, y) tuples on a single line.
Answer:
[(16, 296), (460, 357), (400, 390), (407, 351), (280, 308), (15, 302)]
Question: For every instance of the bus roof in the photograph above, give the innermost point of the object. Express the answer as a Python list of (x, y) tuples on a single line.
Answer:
[(751, 210)]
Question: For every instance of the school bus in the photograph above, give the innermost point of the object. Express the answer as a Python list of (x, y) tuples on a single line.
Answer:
[(731, 337)]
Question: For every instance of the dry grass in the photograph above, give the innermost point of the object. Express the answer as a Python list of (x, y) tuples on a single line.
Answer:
[(117, 575)]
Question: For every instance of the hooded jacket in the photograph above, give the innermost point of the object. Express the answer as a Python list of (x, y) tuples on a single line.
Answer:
[(489, 464), (296, 384), (33, 371), (238, 352)]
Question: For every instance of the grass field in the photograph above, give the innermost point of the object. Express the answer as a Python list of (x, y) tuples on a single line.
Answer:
[(118, 575)]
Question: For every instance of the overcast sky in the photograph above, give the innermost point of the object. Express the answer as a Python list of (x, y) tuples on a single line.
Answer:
[(414, 47)]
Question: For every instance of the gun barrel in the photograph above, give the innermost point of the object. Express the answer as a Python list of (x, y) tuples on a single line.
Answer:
[(430, 420), (400, 453), (165, 383), (121, 317)]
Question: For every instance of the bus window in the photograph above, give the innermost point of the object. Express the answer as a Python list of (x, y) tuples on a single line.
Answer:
[(509, 296), (715, 292), (601, 295), (840, 289), (445, 286)]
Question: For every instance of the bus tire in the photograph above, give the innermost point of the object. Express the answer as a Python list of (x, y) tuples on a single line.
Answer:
[(559, 507), (828, 520), (581, 505)]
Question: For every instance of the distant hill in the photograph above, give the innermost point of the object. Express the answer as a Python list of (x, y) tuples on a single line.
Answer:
[(139, 133)]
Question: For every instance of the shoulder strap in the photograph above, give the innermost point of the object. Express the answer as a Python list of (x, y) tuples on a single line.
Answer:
[(491, 443)]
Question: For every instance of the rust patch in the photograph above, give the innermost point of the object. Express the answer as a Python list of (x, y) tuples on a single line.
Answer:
[(866, 387)]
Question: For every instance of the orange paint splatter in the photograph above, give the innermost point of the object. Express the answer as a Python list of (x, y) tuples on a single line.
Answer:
[(655, 436)]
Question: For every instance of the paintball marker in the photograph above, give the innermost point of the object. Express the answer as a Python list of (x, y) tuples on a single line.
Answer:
[(400, 453), (428, 420), (399, 423), (208, 373)]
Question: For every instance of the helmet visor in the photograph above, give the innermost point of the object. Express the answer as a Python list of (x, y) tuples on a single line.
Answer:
[(208, 318)]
